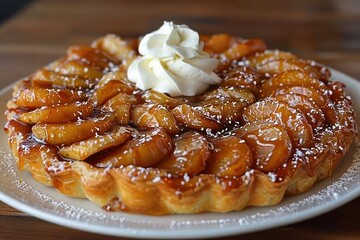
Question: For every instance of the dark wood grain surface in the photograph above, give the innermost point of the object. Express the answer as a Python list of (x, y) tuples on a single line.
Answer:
[(325, 30)]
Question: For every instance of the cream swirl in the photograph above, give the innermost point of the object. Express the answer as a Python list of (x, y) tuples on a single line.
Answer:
[(173, 62)]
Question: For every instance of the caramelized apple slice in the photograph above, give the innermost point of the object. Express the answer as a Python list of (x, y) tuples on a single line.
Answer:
[(147, 116), (189, 156), (294, 121), (322, 101), (191, 118), (120, 104), (234, 93), (269, 55), (218, 43), (91, 55), (46, 78), (336, 140), (228, 48), (225, 104), (36, 155), (120, 48), (109, 90), (281, 65), (311, 111), (145, 150), (243, 48), (40, 97), (271, 145), (229, 157), (76, 67), (112, 76), (152, 96), (225, 110), (86, 148), (275, 66), (289, 79), (67, 133), (337, 91), (58, 114), (120, 98), (123, 114), (21, 86), (243, 77), (254, 126)]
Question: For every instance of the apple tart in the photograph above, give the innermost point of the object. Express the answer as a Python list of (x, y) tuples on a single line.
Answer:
[(271, 124)]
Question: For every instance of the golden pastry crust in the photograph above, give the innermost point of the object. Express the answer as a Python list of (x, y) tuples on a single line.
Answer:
[(80, 126)]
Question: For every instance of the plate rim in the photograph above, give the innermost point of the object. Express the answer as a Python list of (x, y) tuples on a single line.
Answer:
[(185, 233)]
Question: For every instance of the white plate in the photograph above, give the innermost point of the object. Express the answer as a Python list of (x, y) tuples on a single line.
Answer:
[(22, 192)]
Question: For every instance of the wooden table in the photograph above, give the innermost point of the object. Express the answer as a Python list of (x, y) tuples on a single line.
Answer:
[(327, 31)]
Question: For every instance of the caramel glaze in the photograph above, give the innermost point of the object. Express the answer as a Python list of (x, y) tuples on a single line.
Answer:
[(243, 82)]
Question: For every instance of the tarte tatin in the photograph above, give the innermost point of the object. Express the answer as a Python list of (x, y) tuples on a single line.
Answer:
[(272, 124)]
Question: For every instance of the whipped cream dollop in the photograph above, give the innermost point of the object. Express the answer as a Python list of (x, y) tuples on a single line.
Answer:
[(173, 62)]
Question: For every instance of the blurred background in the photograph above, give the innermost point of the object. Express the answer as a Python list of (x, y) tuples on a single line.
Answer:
[(41, 30), (9, 8)]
